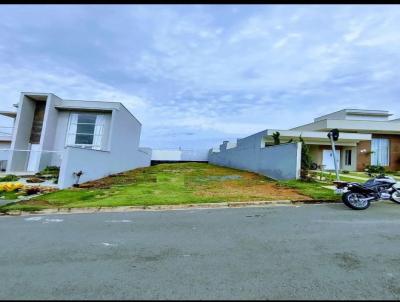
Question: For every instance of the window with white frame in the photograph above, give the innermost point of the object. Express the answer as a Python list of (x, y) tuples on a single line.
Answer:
[(85, 130), (380, 152)]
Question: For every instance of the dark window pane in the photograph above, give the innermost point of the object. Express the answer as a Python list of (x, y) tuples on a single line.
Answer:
[(84, 139), (87, 118), (85, 128), (348, 157)]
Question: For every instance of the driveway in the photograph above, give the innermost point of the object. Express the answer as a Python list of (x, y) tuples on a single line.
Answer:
[(276, 252)]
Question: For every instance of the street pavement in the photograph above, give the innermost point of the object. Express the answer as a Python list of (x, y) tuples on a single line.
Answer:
[(276, 252)]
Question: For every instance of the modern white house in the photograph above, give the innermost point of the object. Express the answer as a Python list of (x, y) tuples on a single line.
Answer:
[(97, 138), (367, 137)]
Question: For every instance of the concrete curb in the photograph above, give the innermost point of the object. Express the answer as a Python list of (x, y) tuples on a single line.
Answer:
[(164, 207)]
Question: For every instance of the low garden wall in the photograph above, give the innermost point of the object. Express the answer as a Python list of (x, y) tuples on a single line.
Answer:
[(278, 162)]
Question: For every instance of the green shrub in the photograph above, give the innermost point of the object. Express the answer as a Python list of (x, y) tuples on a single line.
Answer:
[(345, 172), (306, 160), (54, 171), (52, 168), (375, 169), (9, 177), (276, 138)]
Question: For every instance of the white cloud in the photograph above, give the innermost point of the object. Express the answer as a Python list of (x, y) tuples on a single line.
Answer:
[(213, 70), (63, 82)]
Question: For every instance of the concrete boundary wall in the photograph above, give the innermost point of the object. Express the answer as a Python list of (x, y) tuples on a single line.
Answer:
[(278, 162), (179, 155), (96, 164)]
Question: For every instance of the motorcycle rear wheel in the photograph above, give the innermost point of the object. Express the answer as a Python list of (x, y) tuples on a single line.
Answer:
[(352, 200)]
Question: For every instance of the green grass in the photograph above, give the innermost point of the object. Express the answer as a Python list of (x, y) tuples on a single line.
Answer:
[(9, 177), (9, 195), (21, 207), (172, 184), (313, 189)]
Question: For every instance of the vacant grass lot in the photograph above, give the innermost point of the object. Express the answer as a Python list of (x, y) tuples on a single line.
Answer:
[(170, 184)]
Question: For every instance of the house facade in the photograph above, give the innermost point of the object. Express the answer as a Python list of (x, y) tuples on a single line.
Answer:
[(367, 137), (6, 138), (97, 138)]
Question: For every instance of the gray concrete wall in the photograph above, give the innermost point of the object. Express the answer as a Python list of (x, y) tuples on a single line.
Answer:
[(194, 155), (278, 162)]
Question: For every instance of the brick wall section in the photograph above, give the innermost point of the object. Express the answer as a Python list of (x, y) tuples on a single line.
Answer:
[(394, 154), (363, 158)]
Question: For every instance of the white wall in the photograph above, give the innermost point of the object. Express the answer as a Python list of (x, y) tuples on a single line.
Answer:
[(123, 154), (96, 164), (22, 131), (167, 155), (4, 152), (278, 162), (180, 155), (48, 135)]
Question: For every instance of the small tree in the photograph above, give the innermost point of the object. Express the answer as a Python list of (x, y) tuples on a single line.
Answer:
[(306, 160), (276, 138)]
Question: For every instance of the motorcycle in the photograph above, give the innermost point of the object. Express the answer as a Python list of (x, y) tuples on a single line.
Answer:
[(359, 196)]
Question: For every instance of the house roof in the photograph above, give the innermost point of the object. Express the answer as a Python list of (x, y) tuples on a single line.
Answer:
[(368, 112), (319, 137)]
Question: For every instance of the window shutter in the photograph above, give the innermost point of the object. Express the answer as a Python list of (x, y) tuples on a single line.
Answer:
[(98, 132), (71, 134)]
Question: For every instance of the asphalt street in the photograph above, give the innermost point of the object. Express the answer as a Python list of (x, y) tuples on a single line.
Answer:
[(276, 252)]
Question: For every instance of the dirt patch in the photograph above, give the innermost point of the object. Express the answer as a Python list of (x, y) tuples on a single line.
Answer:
[(36, 202), (139, 175), (261, 191)]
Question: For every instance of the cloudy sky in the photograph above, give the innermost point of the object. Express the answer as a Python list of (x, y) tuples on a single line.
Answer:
[(195, 75)]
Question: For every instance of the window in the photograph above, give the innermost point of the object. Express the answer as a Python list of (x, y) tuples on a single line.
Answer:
[(347, 157), (380, 152), (85, 130)]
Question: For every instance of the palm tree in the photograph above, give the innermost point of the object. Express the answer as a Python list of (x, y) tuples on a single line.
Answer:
[(276, 138)]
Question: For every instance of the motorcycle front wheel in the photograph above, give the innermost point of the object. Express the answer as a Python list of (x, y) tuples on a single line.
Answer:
[(355, 201), (395, 197)]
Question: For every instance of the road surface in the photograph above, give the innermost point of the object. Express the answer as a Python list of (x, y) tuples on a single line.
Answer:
[(276, 252)]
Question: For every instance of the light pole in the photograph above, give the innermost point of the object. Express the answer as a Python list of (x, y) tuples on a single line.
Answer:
[(333, 136)]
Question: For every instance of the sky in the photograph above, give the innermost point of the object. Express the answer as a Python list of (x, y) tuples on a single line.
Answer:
[(195, 75)]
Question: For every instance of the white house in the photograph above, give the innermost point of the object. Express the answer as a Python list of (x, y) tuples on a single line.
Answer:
[(367, 137), (97, 138)]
